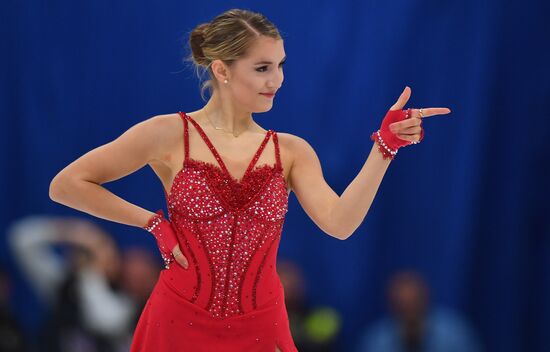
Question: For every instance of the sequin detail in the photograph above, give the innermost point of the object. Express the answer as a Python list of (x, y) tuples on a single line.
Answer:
[(152, 226), (234, 227)]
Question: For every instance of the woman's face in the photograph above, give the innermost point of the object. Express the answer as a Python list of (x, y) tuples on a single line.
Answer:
[(260, 71)]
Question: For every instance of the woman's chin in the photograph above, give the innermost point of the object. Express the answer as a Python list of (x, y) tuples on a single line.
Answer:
[(264, 108)]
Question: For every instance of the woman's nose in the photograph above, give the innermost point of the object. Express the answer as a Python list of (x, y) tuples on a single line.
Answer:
[(276, 82)]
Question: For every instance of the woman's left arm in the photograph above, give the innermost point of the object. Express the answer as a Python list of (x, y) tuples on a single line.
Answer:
[(337, 216), (340, 216)]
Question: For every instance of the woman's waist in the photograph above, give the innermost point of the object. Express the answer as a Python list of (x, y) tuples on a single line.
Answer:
[(225, 296)]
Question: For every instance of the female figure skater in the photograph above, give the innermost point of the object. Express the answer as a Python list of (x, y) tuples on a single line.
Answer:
[(226, 181)]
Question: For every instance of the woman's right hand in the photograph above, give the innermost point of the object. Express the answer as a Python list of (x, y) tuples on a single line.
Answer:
[(179, 257)]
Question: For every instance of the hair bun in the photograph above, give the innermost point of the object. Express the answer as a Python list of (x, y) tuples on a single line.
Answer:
[(196, 40)]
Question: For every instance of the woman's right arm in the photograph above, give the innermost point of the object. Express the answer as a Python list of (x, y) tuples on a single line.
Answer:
[(79, 184)]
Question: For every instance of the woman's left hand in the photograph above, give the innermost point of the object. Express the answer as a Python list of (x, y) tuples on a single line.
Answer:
[(410, 129)]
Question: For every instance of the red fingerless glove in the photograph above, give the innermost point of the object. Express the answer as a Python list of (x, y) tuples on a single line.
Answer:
[(164, 234), (388, 142)]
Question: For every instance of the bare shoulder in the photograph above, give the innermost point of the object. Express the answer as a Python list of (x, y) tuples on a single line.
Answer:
[(164, 126), (298, 156), (294, 145), (164, 131), (303, 154)]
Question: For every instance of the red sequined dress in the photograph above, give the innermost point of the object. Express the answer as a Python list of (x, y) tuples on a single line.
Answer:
[(230, 298)]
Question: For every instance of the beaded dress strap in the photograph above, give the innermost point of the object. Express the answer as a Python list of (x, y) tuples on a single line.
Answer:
[(185, 136), (277, 151), (208, 143), (259, 151)]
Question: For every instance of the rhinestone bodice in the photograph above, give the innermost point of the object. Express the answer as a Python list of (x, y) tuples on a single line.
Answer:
[(228, 229)]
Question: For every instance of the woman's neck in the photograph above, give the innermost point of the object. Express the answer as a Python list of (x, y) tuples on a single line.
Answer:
[(224, 116)]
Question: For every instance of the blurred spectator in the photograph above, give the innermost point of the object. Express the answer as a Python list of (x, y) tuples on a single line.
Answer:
[(76, 270), (313, 329), (415, 325), (11, 335)]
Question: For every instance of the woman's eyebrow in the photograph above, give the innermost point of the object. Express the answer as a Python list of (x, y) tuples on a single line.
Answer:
[(267, 62)]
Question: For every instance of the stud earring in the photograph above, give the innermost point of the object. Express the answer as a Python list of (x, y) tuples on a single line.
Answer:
[(225, 81)]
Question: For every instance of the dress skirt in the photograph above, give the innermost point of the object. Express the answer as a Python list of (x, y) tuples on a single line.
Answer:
[(169, 322)]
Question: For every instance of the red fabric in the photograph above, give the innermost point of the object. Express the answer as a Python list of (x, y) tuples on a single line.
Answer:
[(391, 139), (164, 234), (230, 298), (391, 143)]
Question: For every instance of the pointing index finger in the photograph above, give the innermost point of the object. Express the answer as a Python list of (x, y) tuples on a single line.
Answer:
[(430, 112)]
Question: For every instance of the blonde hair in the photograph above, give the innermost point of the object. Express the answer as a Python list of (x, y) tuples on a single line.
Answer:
[(227, 37)]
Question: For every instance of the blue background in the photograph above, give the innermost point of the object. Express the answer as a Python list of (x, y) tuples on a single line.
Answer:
[(466, 207)]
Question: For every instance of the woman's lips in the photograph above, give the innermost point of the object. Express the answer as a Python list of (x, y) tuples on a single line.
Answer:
[(268, 95)]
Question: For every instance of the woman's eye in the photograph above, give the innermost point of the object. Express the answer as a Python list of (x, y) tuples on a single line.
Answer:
[(264, 68)]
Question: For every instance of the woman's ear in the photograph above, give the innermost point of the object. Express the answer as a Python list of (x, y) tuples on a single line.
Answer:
[(220, 70)]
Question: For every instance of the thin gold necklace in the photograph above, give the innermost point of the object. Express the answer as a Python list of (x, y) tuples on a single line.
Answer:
[(223, 129)]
